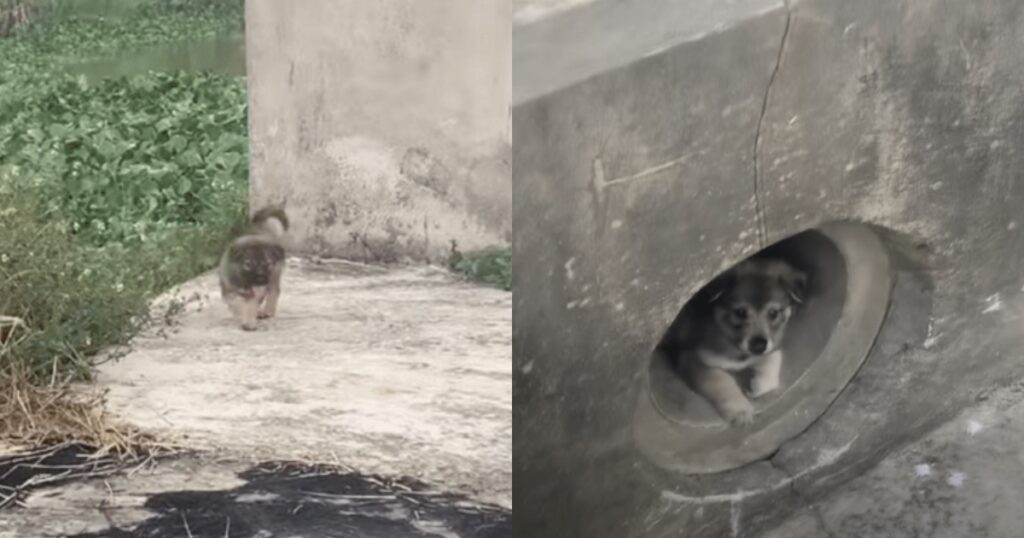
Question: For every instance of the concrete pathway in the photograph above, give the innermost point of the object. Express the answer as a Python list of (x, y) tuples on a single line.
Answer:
[(395, 372)]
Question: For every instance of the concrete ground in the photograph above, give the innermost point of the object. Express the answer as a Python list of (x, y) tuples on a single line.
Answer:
[(402, 371), (964, 479)]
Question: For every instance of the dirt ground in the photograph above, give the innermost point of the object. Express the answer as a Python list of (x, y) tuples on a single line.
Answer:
[(395, 372)]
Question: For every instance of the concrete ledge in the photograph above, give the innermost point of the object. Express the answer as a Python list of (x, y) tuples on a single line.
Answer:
[(575, 44)]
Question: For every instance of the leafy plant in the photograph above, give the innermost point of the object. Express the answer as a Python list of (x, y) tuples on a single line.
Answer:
[(113, 190), (70, 301), (492, 266), (126, 159)]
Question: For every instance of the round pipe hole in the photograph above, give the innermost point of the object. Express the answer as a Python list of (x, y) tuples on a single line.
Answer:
[(825, 341)]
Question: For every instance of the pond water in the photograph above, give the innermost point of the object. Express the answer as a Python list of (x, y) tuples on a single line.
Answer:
[(95, 8), (224, 55)]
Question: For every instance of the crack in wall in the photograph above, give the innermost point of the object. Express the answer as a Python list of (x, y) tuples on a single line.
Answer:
[(762, 227)]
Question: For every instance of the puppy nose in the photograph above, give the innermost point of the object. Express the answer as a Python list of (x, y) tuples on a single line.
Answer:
[(758, 344)]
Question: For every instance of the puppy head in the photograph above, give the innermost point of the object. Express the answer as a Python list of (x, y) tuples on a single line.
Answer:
[(257, 262), (752, 303)]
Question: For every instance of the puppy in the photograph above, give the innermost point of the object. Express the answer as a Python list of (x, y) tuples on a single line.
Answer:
[(738, 325), (251, 268)]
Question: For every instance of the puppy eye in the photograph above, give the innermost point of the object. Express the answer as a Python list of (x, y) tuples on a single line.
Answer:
[(773, 313), (740, 312)]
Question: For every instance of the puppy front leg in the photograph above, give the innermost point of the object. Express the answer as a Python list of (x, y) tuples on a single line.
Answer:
[(721, 389), (269, 307), (245, 311), (766, 375)]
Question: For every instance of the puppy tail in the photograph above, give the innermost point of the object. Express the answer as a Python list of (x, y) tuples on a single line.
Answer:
[(272, 221)]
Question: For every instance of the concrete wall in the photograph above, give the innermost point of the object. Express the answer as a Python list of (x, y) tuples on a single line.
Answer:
[(383, 126), (643, 166)]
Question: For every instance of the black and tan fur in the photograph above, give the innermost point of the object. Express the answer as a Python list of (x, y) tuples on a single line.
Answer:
[(251, 268), (738, 327)]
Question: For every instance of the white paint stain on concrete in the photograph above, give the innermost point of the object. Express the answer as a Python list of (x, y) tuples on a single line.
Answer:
[(992, 304), (973, 427), (531, 11), (527, 368), (956, 479), (932, 337), (570, 274), (734, 518), (826, 457), (922, 470)]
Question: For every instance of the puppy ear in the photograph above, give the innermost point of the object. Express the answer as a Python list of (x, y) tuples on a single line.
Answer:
[(795, 284)]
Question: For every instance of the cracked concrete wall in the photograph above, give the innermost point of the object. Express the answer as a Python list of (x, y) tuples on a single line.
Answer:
[(650, 155), (382, 126)]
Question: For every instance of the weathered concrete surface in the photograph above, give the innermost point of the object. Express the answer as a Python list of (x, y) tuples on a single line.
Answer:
[(383, 126), (594, 36), (391, 371), (203, 498), (529, 11), (635, 185), (964, 479)]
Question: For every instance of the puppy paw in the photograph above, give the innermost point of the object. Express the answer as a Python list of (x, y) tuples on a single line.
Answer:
[(250, 327), (739, 414), (264, 315), (759, 386)]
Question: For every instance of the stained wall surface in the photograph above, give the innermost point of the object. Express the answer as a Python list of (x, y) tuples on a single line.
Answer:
[(641, 172), (382, 126)]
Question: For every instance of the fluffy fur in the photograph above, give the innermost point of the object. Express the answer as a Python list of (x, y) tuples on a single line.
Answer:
[(251, 268), (738, 326)]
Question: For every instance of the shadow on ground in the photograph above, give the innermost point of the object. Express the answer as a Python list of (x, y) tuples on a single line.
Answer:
[(295, 500)]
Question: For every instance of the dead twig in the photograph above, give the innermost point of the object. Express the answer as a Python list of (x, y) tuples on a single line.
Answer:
[(184, 520)]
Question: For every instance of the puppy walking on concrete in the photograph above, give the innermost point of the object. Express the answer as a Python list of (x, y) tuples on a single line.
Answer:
[(740, 326), (251, 268)]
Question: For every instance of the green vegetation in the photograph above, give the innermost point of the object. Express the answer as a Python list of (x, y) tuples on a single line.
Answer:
[(110, 190), (492, 266), (114, 189)]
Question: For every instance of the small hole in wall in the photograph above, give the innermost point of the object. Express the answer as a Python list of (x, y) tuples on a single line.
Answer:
[(817, 307)]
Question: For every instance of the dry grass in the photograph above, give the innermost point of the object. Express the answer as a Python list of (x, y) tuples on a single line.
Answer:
[(32, 415), (39, 422)]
